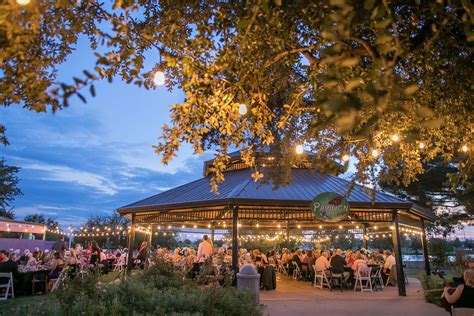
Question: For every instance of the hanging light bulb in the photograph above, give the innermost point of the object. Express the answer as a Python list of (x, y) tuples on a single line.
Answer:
[(345, 158), (23, 2), (375, 153), (464, 148), (395, 138), (421, 145), (299, 149), (242, 109), (299, 226), (257, 225), (159, 78)]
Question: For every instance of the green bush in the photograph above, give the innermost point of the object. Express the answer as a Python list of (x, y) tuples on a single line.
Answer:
[(156, 291), (431, 282)]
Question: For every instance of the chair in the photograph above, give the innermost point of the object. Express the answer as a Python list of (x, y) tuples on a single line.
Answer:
[(461, 311), (363, 274), (297, 275), (392, 277), (406, 277), (337, 277), (376, 278), (321, 279), (59, 280), (7, 285), (39, 279), (119, 266), (282, 269)]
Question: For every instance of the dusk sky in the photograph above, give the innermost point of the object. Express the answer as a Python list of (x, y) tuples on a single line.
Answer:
[(92, 158)]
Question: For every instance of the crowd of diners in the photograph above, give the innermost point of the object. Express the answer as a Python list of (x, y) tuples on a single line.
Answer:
[(56, 260), (346, 262), (309, 262)]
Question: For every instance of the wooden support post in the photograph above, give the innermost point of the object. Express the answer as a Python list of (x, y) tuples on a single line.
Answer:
[(131, 242), (212, 233), (288, 234), (424, 244), (235, 240), (364, 239), (397, 248), (44, 233)]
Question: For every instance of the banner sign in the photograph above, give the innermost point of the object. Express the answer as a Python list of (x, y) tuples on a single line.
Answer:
[(330, 207)]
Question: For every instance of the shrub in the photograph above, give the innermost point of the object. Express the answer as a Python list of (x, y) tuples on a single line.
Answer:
[(431, 282), (156, 291)]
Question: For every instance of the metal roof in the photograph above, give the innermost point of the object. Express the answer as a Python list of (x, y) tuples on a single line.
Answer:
[(240, 189)]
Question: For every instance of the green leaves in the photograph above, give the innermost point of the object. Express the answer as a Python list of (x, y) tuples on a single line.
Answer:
[(341, 75)]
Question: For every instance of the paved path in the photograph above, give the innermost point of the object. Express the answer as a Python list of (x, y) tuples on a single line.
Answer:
[(301, 298)]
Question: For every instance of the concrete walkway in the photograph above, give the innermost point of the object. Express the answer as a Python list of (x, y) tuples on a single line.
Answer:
[(301, 298)]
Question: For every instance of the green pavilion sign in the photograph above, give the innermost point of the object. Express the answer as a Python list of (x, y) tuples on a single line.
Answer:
[(330, 207)]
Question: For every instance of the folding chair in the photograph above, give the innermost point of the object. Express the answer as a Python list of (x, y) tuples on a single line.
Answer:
[(376, 278), (282, 269), (340, 278), (60, 279), (8, 286), (392, 277), (363, 274), (320, 279), (39, 280), (120, 264), (297, 275)]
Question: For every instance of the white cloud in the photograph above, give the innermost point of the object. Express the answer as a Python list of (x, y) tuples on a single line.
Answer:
[(70, 175)]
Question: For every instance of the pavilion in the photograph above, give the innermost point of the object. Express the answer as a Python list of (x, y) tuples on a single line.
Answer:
[(245, 204)]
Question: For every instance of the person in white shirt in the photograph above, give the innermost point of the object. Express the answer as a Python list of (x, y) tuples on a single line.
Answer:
[(389, 263), (205, 249), (322, 263)]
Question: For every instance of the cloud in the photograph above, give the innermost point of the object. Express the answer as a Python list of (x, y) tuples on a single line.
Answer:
[(69, 175)]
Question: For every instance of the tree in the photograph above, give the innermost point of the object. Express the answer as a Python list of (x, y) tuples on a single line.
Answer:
[(108, 231), (439, 249), (8, 188), (387, 82), (433, 191), (50, 222)]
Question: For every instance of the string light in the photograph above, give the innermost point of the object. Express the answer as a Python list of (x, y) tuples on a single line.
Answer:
[(421, 145), (299, 226), (395, 138), (464, 148), (242, 109), (375, 153), (345, 158), (159, 78), (299, 149)]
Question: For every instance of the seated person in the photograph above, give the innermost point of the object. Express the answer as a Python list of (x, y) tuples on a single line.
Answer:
[(463, 294), (11, 266), (56, 266), (297, 259), (308, 263), (3, 256), (322, 263), (338, 263), (377, 258), (359, 262), (389, 263)]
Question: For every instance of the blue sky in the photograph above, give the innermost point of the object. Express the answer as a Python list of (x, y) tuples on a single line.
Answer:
[(91, 158)]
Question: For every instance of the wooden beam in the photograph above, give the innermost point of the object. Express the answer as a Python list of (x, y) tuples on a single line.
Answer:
[(131, 242), (397, 248), (235, 240)]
